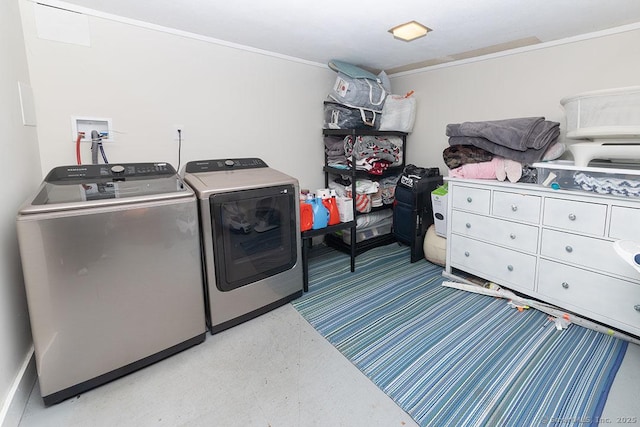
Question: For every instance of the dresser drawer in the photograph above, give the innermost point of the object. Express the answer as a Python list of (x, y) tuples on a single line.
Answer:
[(602, 295), (471, 199), (504, 266), (506, 233), (516, 206), (625, 223), (575, 216), (590, 252)]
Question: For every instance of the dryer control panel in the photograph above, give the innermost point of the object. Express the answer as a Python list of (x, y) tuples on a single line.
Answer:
[(224, 164)]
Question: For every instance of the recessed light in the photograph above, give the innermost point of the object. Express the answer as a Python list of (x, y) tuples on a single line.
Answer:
[(409, 31)]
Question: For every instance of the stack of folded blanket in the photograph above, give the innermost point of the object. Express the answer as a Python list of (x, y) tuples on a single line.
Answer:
[(374, 154), (501, 149)]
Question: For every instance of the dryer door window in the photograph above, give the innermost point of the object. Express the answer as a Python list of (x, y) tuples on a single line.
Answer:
[(254, 234)]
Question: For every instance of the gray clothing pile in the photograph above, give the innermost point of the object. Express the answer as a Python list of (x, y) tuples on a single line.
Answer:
[(334, 150), (524, 140)]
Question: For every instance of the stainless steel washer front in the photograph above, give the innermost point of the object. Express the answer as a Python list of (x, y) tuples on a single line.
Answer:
[(111, 262), (250, 237)]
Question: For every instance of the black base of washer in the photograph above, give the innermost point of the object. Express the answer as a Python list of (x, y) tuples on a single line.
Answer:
[(75, 390)]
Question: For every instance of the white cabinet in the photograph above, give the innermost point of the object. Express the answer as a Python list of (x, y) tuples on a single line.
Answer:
[(555, 246)]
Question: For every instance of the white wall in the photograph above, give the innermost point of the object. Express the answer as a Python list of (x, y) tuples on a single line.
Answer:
[(237, 103), (230, 102), (525, 84), (20, 163)]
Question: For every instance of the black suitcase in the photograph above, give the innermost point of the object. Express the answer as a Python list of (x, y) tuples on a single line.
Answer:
[(412, 209)]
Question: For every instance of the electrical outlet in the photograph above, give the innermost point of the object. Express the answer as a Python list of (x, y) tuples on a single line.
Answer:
[(178, 133)]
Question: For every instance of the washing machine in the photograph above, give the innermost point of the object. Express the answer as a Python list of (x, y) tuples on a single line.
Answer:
[(111, 262), (250, 238)]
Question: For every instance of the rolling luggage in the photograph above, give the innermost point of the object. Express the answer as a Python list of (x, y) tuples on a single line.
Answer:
[(412, 210)]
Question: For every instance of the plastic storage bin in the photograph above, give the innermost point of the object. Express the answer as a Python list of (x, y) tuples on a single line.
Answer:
[(601, 177), (378, 229), (603, 114)]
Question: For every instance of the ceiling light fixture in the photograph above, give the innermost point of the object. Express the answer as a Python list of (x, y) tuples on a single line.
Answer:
[(409, 31)]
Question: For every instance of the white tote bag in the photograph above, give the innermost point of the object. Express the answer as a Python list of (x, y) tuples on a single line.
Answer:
[(398, 113)]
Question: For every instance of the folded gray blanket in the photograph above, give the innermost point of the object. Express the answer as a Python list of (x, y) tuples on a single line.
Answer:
[(333, 146), (527, 157), (517, 134)]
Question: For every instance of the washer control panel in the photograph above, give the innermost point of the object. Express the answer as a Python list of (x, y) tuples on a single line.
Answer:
[(224, 164), (109, 171)]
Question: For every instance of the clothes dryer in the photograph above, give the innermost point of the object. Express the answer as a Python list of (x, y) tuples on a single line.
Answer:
[(249, 222), (111, 262)]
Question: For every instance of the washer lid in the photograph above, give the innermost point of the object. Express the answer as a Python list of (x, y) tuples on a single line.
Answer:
[(83, 186)]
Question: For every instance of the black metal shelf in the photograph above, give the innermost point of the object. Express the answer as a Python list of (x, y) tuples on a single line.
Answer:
[(328, 229), (328, 232), (354, 173), (364, 131), (396, 170), (306, 244)]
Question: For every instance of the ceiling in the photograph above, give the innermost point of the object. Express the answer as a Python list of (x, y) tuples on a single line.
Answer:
[(356, 31)]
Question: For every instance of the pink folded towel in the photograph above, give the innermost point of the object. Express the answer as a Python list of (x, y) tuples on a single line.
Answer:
[(481, 170)]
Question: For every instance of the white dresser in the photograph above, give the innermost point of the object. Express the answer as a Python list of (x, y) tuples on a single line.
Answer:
[(553, 245)]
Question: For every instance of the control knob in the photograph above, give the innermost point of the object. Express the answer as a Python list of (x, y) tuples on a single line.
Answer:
[(229, 162), (117, 169)]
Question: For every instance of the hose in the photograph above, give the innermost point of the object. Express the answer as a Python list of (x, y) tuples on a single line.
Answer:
[(96, 144), (78, 158), (94, 152), (104, 156)]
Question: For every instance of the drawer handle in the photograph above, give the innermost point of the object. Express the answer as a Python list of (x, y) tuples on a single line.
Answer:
[(568, 248), (636, 307), (469, 199), (572, 217), (510, 267), (514, 208), (468, 225), (466, 253), (565, 285), (513, 236)]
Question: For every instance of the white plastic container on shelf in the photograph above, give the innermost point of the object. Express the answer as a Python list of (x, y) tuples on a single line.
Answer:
[(345, 208), (616, 179), (604, 114)]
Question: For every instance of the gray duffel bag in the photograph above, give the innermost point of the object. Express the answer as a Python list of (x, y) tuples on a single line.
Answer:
[(356, 87), (339, 116)]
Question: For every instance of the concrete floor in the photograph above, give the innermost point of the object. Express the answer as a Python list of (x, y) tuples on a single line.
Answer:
[(273, 371)]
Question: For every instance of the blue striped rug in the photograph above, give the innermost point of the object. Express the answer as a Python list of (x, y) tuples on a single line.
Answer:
[(451, 357)]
